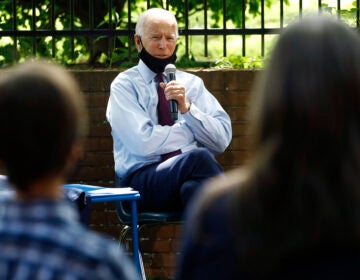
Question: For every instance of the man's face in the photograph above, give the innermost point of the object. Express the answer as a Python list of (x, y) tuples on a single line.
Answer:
[(159, 38)]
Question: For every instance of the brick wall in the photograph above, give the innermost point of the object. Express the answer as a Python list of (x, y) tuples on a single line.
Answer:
[(159, 244)]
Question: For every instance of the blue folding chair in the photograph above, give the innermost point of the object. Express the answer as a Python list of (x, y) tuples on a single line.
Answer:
[(143, 218)]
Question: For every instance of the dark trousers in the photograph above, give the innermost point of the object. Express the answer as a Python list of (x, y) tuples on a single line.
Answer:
[(170, 185)]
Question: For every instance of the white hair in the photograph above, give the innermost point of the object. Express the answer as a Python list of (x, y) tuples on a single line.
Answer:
[(155, 12)]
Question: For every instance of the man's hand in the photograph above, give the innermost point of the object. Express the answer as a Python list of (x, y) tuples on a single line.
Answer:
[(176, 91)]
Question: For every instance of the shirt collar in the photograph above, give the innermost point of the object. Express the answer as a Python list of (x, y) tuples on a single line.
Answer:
[(145, 72)]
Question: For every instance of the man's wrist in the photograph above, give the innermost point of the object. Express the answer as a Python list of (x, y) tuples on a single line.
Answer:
[(186, 108)]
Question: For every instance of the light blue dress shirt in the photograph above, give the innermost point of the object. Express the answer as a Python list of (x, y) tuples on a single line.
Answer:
[(138, 138)]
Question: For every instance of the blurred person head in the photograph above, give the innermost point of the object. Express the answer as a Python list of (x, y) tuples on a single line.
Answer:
[(304, 179), (42, 123), (301, 189)]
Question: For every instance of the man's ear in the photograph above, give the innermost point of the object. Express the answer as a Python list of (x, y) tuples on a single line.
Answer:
[(138, 42)]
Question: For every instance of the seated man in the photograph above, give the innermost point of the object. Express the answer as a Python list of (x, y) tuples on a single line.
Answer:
[(166, 162), (42, 123)]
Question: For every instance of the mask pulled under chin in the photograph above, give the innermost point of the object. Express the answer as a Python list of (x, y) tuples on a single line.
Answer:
[(155, 64)]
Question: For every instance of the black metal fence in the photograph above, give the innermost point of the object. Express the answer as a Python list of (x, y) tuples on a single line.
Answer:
[(101, 31)]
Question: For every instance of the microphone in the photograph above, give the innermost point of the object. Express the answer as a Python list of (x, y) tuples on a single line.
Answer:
[(170, 70)]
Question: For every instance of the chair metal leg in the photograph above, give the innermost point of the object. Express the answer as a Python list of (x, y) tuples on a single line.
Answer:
[(142, 268), (135, 236), (122, 242), (135, 239), (122, 236)]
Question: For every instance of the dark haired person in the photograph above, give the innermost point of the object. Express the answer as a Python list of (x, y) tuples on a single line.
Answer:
[(166, 162), (293, 212), (42, 124)]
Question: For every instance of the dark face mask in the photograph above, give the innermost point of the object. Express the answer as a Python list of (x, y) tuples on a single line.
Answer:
[(156, 65)]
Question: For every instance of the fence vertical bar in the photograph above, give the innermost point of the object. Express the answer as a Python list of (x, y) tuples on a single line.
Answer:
[(186, 3), (15, 53), (205, 29), (281, 14), (262, 27), (52, 12), (357, 13), (224, 27), (33, 25), (72, 16), (91, 24), (243, 7), (110, 13), (111, 39), (129, 30)]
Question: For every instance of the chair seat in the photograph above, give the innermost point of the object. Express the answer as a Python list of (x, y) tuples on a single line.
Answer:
[(163, 217), (147, 217), (124, 216)]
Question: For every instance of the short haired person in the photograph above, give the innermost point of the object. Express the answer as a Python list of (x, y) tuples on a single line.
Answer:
[(203, 128), (293, 212), (42, 123)]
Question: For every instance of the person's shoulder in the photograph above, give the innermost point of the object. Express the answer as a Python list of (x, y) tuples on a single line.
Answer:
[(224, 184), (215, 196)]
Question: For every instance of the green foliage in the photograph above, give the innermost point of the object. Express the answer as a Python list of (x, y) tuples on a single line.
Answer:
[(185, 62), (77, 50), (240, 62), (120, 51), (347, 15), (40, 46), (120, 57)]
